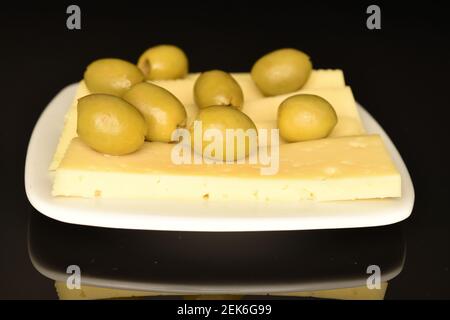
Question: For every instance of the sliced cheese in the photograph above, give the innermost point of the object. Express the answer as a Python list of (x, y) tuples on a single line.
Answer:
[(264, 111), (70, 127), (345, 168), (319, 79), (183, 90)]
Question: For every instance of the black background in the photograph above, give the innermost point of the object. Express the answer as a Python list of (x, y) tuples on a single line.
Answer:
[(399, 73)]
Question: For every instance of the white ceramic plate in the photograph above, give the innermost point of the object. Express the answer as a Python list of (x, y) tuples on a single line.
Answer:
[(199, 215)]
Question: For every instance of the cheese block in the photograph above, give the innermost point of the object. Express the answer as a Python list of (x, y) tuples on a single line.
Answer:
[(345, 168), (183, 90)]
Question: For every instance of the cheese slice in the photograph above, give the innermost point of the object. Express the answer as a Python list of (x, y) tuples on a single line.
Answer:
[(319, 79), (264, 111), (183, 90), (70, 127), (345, 168)]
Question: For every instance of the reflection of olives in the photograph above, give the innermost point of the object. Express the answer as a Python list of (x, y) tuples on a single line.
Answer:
[(111, 76), (281, 71), (305, 117), (163, 112), (217, 88), (109, 124), (163, 62), (222, 118)]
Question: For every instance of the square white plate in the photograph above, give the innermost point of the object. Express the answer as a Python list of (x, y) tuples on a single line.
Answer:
[(199, 215)]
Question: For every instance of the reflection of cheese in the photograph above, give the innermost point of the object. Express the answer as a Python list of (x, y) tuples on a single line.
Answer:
[(343, 168), (358, 293), (183, 89), (97, 293)]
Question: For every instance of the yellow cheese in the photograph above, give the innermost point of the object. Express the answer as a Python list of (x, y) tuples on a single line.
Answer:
[(264, 111), (70, 127), (183, 89), (345, 168), (319, 79)]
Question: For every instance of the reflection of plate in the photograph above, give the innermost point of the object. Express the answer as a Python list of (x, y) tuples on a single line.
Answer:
[(192, 262), (199, 216)]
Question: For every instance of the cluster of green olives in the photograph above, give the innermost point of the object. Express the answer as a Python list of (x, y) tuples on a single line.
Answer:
[(220, 99), (119, 125), (116, 76), (123, 110), (300, 117)]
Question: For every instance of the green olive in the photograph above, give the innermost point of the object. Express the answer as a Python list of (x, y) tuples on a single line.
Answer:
[(163, 112), (163, 62), (281, 71), (223, 118), (217, 87), (305, 117), (109, 124), (111, 76)]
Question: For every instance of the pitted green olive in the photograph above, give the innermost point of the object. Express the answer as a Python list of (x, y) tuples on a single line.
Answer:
[(281, 71), (305, 117), (231, 130), (217, 87), (109, 124), (111, 76), (162, 111), (164, 62)]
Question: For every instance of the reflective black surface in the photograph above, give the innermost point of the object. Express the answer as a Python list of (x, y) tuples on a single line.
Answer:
[(399, 73), (262, 262)]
